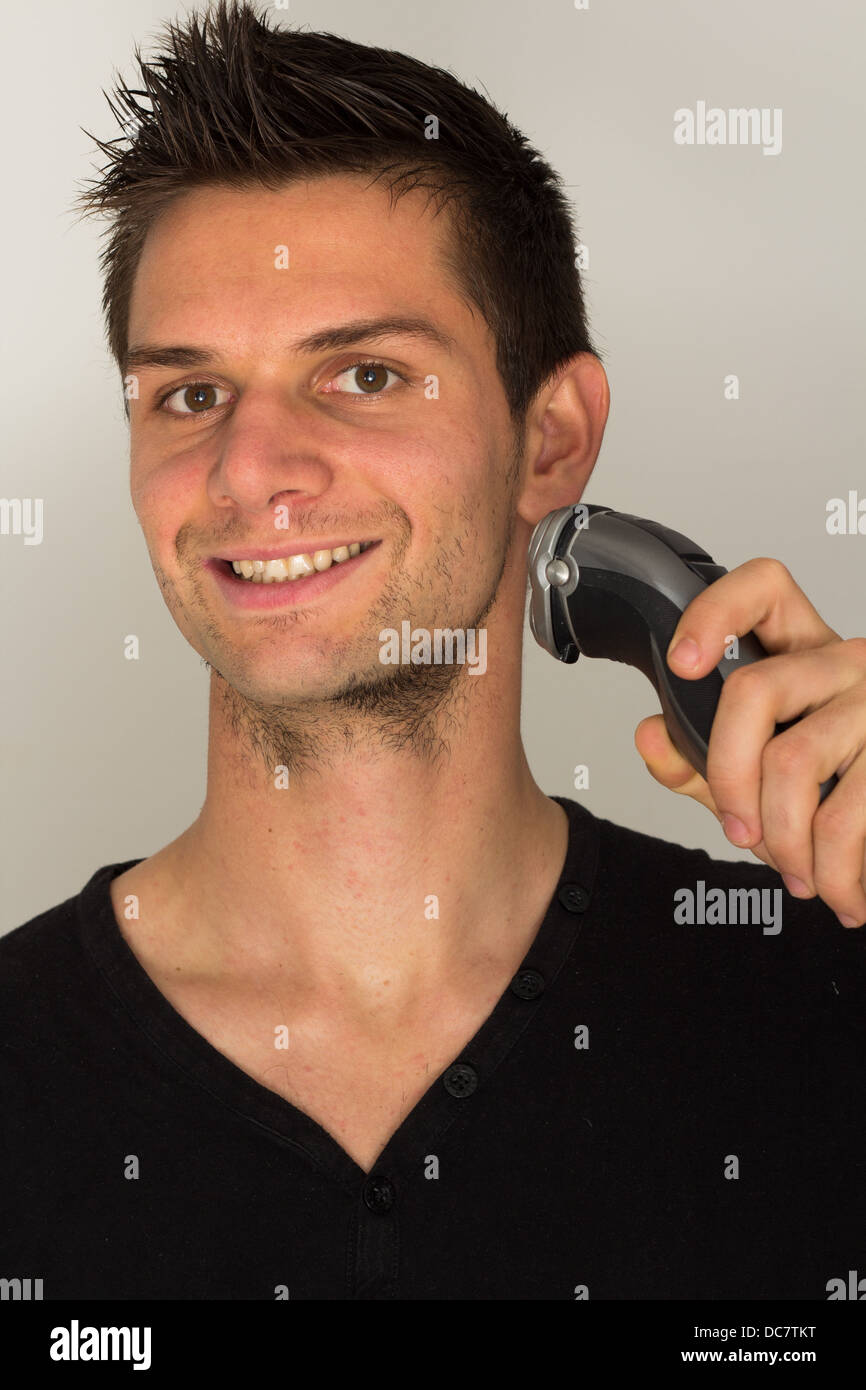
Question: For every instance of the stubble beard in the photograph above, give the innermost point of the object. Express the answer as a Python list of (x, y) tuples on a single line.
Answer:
[(411, 708)]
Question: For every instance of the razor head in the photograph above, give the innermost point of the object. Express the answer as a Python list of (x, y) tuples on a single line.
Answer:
[(542, 552), (550, 545)]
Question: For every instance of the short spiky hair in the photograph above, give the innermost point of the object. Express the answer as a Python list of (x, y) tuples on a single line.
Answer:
[(236, 103)]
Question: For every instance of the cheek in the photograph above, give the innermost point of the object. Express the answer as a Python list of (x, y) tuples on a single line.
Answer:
[(163, 496), (444, 468)]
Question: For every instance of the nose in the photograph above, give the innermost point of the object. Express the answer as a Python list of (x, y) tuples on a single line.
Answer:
[(270, 452)]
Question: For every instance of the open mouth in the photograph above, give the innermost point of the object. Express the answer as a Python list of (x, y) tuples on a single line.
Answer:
[(293, 568)]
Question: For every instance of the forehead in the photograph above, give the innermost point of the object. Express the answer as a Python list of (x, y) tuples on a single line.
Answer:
[(222, 258)]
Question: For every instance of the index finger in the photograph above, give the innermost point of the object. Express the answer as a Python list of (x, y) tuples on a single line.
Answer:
[(759, 596)]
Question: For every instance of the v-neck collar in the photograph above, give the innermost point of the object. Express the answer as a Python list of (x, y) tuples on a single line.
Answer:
[(446, 1105)]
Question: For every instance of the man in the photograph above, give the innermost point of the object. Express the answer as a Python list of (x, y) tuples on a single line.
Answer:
[(387, 1021)]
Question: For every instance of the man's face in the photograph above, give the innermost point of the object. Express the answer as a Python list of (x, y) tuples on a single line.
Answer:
[(266, 433)]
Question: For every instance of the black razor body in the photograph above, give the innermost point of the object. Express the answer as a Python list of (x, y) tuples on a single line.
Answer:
[(608, 584)]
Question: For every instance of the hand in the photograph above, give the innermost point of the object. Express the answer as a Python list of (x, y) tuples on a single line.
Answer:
[(770, 784)]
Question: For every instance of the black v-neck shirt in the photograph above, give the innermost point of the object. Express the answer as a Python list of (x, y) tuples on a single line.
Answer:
[(654, 1109)]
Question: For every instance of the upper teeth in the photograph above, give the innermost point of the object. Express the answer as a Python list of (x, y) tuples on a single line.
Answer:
[(295, 566)]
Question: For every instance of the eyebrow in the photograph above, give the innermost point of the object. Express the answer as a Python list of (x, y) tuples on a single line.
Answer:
[(339, 336)]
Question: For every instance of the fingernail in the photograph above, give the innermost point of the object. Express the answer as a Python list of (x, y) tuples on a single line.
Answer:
[(735, 830), (686, 652), (846, 921), (796, 886)]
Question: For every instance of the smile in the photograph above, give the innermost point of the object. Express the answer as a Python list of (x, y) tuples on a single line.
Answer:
[(290, 567), (260, 586)]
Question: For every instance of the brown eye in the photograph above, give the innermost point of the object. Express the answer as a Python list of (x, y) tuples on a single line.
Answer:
[(368, 379), (371, 376), (199, 397), (196, 398)]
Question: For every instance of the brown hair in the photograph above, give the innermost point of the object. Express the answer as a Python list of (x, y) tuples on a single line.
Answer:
[(236, 103)]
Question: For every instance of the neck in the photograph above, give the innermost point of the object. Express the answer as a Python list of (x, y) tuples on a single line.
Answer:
[(395, 848)]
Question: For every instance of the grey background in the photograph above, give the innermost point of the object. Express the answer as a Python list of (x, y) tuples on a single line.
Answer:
[(703, 261)]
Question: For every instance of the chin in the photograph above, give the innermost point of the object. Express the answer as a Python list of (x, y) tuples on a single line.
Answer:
[(292, 687)]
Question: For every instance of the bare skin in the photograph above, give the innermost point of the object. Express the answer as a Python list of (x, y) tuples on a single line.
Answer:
[(309, 905)]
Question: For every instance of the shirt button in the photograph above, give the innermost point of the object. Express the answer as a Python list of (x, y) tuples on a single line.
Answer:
[(379, 1194), (573, 897), (460, 1080), (527, 984)]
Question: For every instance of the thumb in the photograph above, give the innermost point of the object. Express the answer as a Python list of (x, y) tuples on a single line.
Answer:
[(667, 765)]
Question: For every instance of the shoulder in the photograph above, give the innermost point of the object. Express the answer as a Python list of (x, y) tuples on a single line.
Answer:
[(724, 919), (30, 951), (47, 975)]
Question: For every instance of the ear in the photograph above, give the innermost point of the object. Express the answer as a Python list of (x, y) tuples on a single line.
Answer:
[(564, 429)]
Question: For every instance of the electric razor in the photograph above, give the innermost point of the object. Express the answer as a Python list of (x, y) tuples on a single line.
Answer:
[(605, 583)]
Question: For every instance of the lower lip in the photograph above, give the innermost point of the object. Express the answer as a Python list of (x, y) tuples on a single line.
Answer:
[(244, 593)]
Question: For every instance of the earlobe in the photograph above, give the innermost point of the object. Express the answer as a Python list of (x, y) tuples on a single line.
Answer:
[(565, 426)]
